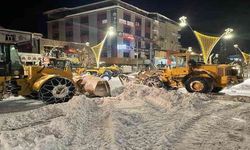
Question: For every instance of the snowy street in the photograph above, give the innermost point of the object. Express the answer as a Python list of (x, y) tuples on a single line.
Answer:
[(138, 117)]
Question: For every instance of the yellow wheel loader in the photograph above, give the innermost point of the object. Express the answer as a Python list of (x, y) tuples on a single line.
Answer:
[(189, 73), (52, 84)]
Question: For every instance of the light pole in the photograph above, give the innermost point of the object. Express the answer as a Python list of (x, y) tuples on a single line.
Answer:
[(97, 50), (137, 56), (244, 68), (246, 56), (183, 23), (206, 42)]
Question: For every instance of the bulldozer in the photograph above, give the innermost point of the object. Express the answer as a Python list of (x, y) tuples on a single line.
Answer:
[(190, 72), (47, 83)]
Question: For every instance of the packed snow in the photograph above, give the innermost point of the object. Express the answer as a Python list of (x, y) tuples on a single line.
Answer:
[(242, 89), (136, 117)]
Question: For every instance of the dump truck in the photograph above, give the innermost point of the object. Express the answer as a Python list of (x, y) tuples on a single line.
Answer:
[(190, 72), (49, 84)]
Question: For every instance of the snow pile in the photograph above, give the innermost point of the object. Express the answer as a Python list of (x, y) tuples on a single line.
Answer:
[(77, 124), (242, 89), (139, 117)]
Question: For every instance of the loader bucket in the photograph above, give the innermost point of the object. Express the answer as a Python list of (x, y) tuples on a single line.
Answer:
[(95, 86)]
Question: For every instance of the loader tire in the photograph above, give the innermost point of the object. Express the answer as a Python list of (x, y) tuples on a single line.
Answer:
[(153, 82), (200, 85), (57, 90)]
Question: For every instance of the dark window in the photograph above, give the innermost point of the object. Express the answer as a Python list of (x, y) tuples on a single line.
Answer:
[(126, 54), (102, 27), (147, 29), (85, 20), (69, 36), (147, 35), (104, 54), (55, 36), (127, 29), (138, 26), (101, 16), (139, 44), (55, 30), (147, 45), (126, 16), (69, 29), (137, 22), (138, 32), (55, 25), (84, 29), (148, 24), (69, 23)]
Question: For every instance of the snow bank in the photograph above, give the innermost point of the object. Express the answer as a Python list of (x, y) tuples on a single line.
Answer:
[(242, 89), (138, 117)]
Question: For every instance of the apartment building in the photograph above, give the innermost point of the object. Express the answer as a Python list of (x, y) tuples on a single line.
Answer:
[(142, 37)]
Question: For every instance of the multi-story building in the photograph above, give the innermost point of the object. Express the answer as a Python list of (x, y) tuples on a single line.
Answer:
[(138, 32)]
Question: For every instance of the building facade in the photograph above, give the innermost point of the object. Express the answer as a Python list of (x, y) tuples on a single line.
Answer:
[(141, 36)]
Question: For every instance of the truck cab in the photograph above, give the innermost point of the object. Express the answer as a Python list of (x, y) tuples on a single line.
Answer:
[(10, 63), (11, 69)]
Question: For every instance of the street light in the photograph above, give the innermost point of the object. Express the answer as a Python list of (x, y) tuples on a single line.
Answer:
[(183, 21), (228, 34), (206, 42), (236, 46), (111, 31), (245, 55), (190, 49)]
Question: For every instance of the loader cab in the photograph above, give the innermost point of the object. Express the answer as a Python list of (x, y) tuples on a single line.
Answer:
[(183, 59), (61, 64), (10, 62)]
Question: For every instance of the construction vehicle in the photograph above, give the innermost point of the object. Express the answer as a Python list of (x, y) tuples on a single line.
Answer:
[(188, 72), (103, 72), (79, 66), (113, 70), (49, 84)]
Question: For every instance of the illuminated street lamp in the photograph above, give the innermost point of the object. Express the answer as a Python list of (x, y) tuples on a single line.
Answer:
[(236, 46), (190, 49), (183, 21), (111, 31), (228, 34), (245, 55)]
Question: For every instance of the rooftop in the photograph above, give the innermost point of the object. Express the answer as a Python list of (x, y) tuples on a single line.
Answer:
[(64, 11)]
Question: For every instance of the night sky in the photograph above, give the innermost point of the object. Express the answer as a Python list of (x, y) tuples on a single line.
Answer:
[(206, 16)]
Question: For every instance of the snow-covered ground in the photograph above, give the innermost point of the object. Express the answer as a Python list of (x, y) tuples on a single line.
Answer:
[(242, 89), (136, 117)]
